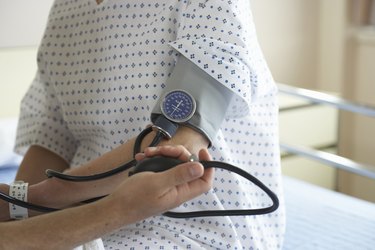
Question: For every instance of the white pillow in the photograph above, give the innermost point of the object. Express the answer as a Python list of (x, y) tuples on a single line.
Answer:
[(8, 158)]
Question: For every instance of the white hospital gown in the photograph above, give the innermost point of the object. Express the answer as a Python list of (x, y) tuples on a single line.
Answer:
[(101, 69)]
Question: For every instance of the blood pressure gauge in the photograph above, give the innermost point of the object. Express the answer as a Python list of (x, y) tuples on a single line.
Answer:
[(178, 106)]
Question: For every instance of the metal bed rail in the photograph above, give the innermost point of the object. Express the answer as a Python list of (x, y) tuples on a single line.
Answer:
[(329, 159)]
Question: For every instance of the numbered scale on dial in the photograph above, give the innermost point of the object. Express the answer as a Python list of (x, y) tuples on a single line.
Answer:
[(178, 106)]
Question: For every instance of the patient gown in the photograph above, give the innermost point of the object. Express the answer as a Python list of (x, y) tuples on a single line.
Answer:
[(102, 68)]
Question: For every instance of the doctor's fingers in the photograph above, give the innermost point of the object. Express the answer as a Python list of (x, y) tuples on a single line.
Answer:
[(174, 151)]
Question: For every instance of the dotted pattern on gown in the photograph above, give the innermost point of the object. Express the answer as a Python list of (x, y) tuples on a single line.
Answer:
[(103, 67)]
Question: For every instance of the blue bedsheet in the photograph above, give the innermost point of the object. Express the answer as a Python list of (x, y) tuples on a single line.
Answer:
[(322, 219), (7, 174), (9, 161)]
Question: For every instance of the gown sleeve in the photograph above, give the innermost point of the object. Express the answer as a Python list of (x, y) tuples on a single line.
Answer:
[(219, 37)]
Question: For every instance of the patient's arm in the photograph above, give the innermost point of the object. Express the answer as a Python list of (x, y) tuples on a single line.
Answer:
[(72, 227), (58, 193), (36, 161)]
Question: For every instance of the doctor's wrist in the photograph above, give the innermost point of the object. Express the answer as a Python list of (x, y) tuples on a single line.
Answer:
[(190, 138)]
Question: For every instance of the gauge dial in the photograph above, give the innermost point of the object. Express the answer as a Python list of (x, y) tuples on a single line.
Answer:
[(178, 106)]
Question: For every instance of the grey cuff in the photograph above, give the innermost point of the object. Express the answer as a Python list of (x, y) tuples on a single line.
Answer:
[(211, 96)]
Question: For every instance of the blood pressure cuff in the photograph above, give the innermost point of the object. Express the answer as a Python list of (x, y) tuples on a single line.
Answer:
[(212, 98)]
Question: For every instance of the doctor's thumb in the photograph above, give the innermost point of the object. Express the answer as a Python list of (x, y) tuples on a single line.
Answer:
[(186, 172)]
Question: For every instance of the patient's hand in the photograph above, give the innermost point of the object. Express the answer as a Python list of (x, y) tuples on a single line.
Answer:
[(191, 139)]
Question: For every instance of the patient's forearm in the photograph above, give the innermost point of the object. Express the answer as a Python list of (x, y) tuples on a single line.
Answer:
[(51, 231), (58, 193)]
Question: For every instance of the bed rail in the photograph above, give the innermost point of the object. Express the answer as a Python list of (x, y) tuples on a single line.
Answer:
[(329, 159)]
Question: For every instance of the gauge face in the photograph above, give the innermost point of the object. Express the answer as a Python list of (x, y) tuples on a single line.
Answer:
[(178, 106)]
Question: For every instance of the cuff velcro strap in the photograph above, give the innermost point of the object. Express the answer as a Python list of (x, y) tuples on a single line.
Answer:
[(18, 190)]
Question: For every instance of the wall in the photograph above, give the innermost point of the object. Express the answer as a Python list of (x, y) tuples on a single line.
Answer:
[(288, 33), (21, 31), (17, 69), (333, 32), (357, 131), (22, 22)]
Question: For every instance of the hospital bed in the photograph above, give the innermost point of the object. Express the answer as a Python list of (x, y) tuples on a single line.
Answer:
[(317, 218)]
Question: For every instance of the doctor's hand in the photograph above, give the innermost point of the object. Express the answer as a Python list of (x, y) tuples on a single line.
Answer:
[(146, 194)]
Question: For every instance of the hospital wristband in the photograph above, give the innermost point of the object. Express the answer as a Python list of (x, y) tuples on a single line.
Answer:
[(18, 190)]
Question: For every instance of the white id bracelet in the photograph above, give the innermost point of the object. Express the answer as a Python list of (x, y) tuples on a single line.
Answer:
[(18, 190)]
